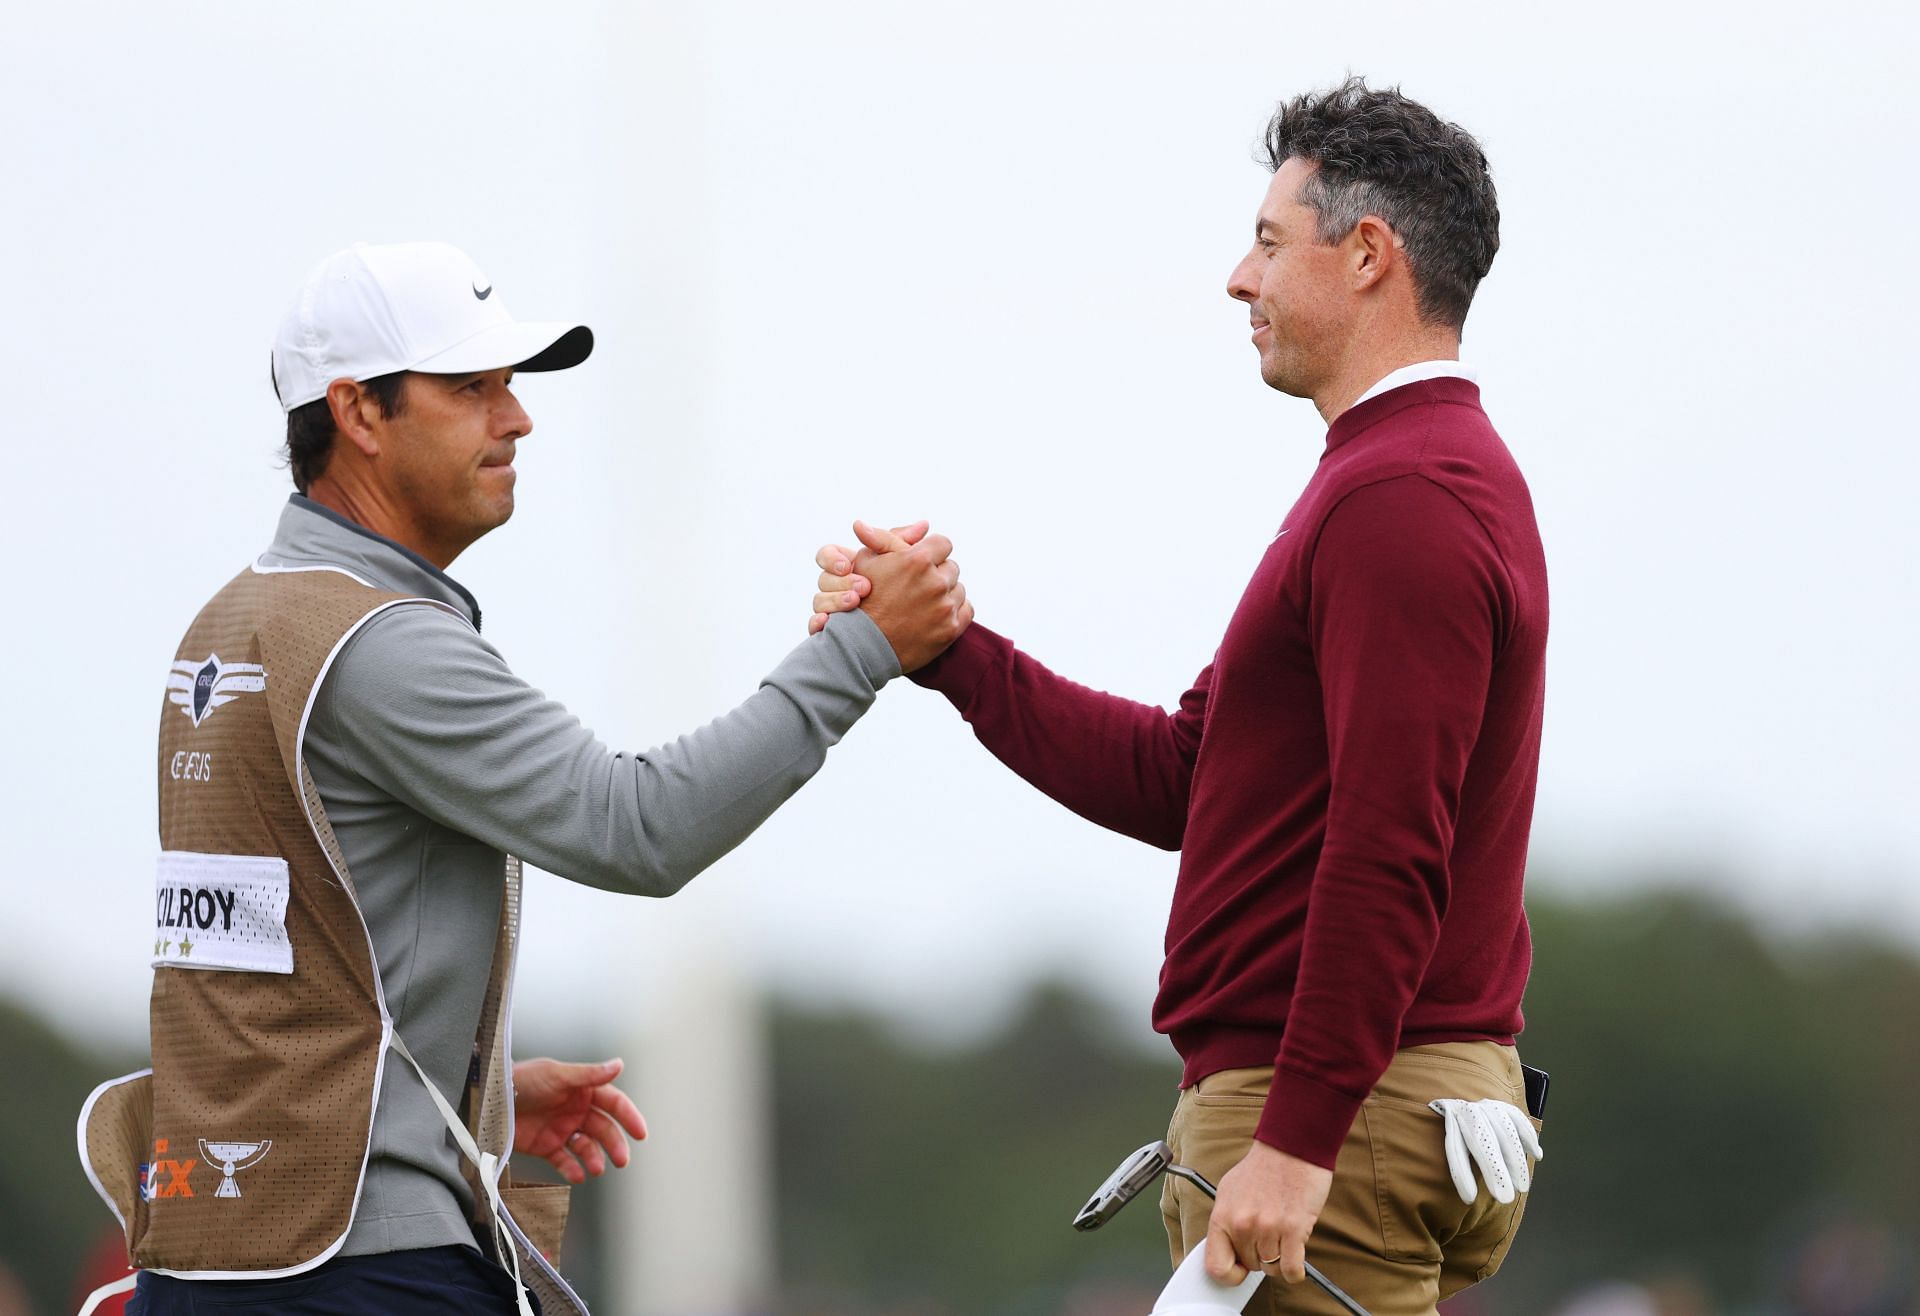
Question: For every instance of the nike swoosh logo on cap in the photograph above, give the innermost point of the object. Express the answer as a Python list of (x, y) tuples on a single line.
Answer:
[(483, 293)]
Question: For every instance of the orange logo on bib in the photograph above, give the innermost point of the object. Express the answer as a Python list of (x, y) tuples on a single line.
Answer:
[(165, 1178)]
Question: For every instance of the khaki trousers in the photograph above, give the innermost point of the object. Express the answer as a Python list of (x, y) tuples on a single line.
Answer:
[(1395, 1234)]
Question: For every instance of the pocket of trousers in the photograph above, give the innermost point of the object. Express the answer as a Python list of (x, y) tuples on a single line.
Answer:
[(1487, 1234), (1419, 1208), (1230, 1089), (1507, 1220)]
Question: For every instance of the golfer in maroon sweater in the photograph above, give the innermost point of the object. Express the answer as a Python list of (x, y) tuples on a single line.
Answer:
[(1350, 782)]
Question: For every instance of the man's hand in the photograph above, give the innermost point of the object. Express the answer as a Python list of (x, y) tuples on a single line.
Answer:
[(841, 585), (1267, 1206), (573, 1115), (912, 590)]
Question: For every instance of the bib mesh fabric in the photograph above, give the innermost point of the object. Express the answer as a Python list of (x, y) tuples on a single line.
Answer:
[(250, 1058), (273, 1074)]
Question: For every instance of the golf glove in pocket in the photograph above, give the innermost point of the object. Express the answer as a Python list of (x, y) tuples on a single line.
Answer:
[(1496, 1136)]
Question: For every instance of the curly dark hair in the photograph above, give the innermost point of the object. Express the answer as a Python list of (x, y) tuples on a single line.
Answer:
[(310, 428), (1379, 153)]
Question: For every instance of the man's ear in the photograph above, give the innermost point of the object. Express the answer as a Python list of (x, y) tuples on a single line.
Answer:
[(1374, 248), (354, 412)]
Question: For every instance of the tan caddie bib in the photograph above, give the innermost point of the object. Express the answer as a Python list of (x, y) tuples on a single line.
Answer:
[(241, 1152)]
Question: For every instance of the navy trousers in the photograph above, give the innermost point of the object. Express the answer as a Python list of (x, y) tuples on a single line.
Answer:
[(432, 1281)]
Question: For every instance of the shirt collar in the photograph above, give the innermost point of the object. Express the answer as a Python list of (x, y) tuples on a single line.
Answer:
[(312, 534), (1362, 416), (1418, 371)]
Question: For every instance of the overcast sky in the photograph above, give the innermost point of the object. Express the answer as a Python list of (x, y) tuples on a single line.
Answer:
[(967, 261)]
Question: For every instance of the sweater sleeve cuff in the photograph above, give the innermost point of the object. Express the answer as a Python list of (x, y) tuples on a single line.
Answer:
[(958, 672), (868, 645), (1306, 1118)]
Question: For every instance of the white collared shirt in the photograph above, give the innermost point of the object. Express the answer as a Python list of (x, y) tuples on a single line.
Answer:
[(1418, 371)]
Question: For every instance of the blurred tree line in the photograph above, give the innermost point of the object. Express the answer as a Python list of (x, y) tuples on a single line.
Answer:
[(1717, 1095)]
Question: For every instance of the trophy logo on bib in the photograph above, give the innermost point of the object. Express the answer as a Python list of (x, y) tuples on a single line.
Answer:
[(233, 1157)]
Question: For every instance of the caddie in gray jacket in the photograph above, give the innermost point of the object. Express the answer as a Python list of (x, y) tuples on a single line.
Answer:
[(432, 763)]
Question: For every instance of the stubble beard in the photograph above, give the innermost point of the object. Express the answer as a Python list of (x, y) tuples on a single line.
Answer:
[(1279, 376), (456, 523)]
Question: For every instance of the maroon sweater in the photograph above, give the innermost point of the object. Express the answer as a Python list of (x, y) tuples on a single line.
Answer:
[(1350, 782)]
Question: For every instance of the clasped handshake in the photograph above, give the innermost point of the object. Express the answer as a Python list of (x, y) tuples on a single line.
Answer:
[(907, 582)]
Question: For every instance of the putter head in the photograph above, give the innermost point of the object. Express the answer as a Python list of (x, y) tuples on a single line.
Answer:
[(1123, 1185)]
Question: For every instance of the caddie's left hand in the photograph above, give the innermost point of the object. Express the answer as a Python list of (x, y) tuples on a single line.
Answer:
[(1267, 1206), (573, 1115), (1496, 1136)]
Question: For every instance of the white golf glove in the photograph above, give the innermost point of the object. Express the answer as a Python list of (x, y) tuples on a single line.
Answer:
[(1498, 1137)]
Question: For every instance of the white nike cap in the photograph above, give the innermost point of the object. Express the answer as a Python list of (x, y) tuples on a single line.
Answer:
[(371, 310)]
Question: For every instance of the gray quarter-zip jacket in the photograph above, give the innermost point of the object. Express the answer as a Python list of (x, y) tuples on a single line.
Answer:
[(432, 759)]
